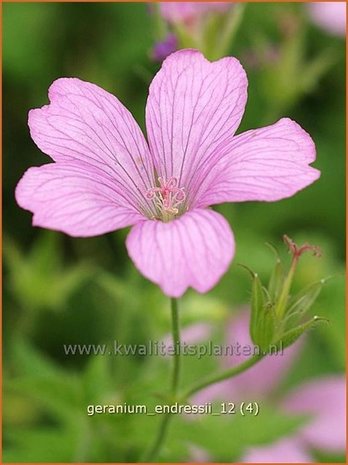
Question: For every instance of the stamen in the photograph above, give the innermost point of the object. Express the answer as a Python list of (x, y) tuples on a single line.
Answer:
[(167, 198)]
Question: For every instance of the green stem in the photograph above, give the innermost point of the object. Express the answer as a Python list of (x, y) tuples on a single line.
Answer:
[(164, 425), (176, 343), (234, 19), (161, 435), (160, 25), (223, 376), (163, 429)]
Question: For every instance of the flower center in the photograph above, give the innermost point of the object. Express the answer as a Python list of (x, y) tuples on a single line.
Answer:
[(167, 197)]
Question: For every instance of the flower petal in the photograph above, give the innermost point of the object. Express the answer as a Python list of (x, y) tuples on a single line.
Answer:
[(194, 250), (84, 122), (266, 164), (325, 399), (70, 198), (287, 450), (193, 107)]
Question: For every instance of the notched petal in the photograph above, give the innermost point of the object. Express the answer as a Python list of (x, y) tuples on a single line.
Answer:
[(194, 107)]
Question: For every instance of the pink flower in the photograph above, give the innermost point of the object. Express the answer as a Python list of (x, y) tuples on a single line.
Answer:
[(288, 450), (186, 11), (323, 399), (105, 176), (331, 16)]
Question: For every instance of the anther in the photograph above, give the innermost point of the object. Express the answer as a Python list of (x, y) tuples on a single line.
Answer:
[(167, 197)]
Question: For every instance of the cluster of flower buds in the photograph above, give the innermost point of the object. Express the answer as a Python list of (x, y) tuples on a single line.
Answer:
[(277, 317)]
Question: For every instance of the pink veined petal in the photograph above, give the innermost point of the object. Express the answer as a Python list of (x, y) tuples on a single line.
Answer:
[(288, 450), (184, 11), (75, 199), (85, 123), (194, 250), (265, 164), (325, 399), (194, 106)]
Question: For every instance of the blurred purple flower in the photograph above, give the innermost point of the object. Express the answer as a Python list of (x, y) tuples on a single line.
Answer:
[(288, 450), (325, 400), (106, 176), (322, 399), (330, 16), (174, 12), (164, 48)]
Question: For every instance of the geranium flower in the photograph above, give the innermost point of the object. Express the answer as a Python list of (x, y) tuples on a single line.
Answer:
[(105, 176), (330, 16)]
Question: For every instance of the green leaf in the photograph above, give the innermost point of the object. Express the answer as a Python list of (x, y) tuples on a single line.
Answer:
[(39, 279), (226, 437), (51, 389), (291, 336), (97, 383), (39, 445)]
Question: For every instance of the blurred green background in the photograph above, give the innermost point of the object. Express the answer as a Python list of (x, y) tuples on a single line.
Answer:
[(59, 290)]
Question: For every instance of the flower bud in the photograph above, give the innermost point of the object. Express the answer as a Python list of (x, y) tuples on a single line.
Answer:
[(276, 316), (262, 321)]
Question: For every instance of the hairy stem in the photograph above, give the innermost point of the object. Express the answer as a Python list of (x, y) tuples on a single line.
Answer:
[(176, 343), (163, 429)]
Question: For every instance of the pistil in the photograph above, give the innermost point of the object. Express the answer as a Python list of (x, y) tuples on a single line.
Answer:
[(167, 197)]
